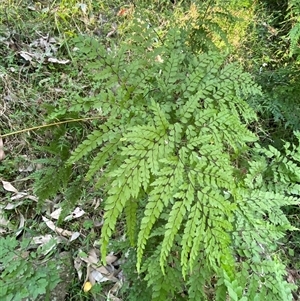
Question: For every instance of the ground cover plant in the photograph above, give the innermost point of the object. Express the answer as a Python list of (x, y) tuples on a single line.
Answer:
[(133, 141)]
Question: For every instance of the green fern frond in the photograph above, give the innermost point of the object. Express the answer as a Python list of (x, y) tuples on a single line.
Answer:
[(131, 220), (114, 205), (50, 180), (164, 187), (190, 232), (294, 36), (101, 158), (171, 66), (173, 225), (93, 141), (197, 282), (164, 286)]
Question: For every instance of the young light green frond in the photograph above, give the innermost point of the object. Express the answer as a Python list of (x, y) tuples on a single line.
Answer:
[(149, 143), (175, 134), (294, 36), (203, 77), (160, 119), (203, 143), (172, 228), (188, 109), (114, 205), (135, 178), (128, 173), (171, 67), (213, 176), (164, 188), (263, 199), (152, 211), (224, 128), (272, 166), (190, 231), (173, 225), (212, 229), (228, 263), (254, 178), (144, 174), (143, 136), (126, 185), (217, 240), (199, 238), (173, 154)]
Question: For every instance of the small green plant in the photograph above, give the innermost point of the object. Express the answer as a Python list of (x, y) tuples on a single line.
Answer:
[(23, 277)]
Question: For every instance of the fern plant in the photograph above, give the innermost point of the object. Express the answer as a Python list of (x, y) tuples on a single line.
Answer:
[(170, 153)]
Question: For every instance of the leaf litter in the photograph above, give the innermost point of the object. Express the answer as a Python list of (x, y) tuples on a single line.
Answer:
[(95, 272)]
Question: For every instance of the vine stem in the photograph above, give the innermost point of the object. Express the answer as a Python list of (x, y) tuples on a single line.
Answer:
[(47, 125)]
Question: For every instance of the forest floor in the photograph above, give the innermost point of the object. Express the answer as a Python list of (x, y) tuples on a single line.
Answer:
[(39, 68)]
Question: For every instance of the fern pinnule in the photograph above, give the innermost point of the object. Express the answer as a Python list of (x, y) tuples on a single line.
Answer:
[(92, 141)]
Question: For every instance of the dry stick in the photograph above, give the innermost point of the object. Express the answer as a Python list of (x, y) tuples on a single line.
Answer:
[(47, 125)]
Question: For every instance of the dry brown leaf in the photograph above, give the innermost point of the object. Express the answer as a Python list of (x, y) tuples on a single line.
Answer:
[(2, 231), (78, 212), (113, 298), (26, 55), (21, 225), (83, 7), (8, 187), (11, 206), (31, 197), (18, 196), (293, 276), (125, 11), (43, 239), (98, 224), (96, 202), (2, 154), (100, 274), (117, 286), (25, 254), (110, 258), (58, 230), (48, 247), (56, 213), (113, 31), (56, 61), (74, 236), (96, 276), (105, 273), (78, 267), (92, 258), (159, 59)]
